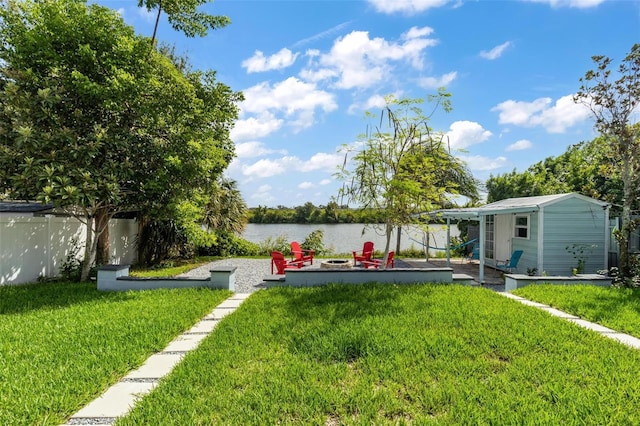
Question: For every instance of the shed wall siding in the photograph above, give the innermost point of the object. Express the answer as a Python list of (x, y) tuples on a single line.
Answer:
[(569, 222)]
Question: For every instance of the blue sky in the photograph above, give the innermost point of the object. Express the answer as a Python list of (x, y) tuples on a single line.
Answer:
[(310, 69)]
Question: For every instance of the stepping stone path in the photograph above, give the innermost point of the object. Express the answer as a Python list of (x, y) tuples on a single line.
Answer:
[(625, 339), (120, 398)]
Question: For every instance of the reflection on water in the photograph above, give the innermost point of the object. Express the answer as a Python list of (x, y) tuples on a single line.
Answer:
[(345, 238)]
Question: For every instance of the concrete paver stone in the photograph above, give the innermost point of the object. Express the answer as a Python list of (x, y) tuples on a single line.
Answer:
[(230, 304), (534, 304), (240, 296), (117, 400), (185, 343), (631, 341), (219, 314), (204, 326), (591, 325), (557, 313), (512, 296), (156, 367)]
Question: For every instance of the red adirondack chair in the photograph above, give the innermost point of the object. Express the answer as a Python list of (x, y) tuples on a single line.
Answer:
[(367, 252), (280, 263), (300, 254), (376, 263)]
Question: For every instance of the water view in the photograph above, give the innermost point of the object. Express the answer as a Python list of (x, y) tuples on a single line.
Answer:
[(345, 238)]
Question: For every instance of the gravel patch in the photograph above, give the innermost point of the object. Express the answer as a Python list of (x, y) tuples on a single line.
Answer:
[(249, 275)]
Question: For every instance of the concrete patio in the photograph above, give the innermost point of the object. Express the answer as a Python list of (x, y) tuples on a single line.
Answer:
[(492, 278)]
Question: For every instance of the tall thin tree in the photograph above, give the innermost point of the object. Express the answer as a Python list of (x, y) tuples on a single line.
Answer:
[(613, 99)]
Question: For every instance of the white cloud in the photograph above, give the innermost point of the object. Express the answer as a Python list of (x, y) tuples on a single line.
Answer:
[(147, 15), (415, 32), (255, 127), (520, 145), (321, 161), (496, 52), (437, 82), (259, 63), (254, 149), (322, 34), (295, 99), (578, 4), (462, 134), (306, 185), (555, 118), (374, 102), (406, 6), (481, 163), (290, 96), (358, 61), (315, 76), (325, 181), (263, 194), (265, 168)]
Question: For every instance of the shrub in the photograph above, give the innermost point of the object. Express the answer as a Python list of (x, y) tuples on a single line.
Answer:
[(229, 244), (632, 281), (313, 241), (280, 243), (71, 266)]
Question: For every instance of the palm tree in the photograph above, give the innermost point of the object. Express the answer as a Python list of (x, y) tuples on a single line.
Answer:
[(226, 211)]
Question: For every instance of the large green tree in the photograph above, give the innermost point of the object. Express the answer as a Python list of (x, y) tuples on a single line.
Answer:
[(613, 99), (402, 167), (584, 168), (96, 121)]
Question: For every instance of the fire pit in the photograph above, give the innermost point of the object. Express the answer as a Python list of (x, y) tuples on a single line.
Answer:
[(336, 264)]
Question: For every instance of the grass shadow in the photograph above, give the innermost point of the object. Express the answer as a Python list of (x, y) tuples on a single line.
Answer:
[(18, 299), (341, 320)]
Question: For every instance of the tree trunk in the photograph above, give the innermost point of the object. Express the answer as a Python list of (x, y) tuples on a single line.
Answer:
[(398, 239), (625, 231), (388, 231), (155, 27), (103, 248), (89, 250), (143, 257)]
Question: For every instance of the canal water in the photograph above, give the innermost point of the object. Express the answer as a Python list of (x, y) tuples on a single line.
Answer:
[(345, 238)]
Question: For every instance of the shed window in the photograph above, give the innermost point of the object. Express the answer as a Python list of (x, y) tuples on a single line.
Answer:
[(522, 227)]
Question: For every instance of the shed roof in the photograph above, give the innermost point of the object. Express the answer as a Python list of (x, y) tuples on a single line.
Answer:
[(515, 205), (23, 207)]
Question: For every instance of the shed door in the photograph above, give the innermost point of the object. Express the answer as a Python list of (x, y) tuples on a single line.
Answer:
[(503, 234)]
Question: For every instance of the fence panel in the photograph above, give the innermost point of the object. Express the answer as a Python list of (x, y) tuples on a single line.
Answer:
[(36, 246)]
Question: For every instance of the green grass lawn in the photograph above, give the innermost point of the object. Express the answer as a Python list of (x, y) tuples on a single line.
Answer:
[(384, 354), (616, 308), (62, 345), (179, 267)]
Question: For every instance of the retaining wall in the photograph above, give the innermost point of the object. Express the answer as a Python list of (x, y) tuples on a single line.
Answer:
[(514, 281), (116, 278), (319, 276)]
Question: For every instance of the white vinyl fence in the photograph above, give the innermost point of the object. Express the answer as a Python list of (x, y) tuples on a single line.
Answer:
[(36, 246)]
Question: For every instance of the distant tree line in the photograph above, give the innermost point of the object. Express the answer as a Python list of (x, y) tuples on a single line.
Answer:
[(310, 213)]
